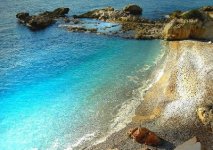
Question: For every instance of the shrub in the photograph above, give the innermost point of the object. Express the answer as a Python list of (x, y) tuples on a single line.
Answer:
[(193, 14)]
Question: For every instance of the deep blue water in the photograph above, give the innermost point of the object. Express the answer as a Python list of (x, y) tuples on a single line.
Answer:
[(56, 86)]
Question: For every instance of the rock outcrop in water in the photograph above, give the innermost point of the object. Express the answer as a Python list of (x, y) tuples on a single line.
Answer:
[(43, 20), (193, 24), (133, 9), (133, 24)]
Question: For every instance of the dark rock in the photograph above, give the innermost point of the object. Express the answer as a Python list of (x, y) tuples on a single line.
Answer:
[(133, 9), (193, 14), (36, 23), (60, 12), (22, 15), (42, 20)]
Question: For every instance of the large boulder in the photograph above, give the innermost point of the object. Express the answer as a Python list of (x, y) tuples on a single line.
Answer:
[(133, 9), (42, 20), (36, 23)]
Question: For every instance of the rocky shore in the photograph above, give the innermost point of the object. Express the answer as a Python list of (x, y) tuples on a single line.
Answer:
[(170, 107), (178, 25)]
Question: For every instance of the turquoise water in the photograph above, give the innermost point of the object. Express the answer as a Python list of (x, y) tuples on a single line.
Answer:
[(58, 89)]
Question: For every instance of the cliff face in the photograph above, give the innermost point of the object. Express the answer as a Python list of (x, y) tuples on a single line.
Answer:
[(195, 24), (180, 29)]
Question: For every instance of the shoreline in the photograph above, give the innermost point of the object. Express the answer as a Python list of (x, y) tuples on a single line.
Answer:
[(175, 128), (127, 110), (137, 97)]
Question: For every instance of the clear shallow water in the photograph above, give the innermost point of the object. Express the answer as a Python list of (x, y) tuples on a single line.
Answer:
[(56, 87)]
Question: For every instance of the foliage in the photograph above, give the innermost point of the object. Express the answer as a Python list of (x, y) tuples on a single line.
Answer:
[(193, 14)]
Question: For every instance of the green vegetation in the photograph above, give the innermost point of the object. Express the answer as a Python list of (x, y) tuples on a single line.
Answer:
[(193, 14)]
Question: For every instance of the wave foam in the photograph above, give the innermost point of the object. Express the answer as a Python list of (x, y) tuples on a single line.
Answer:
[(80, 141)]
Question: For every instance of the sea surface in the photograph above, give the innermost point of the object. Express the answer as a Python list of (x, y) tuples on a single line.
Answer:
[(58, 89)]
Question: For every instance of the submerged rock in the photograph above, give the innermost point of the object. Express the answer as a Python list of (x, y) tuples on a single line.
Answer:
[(42, 20)]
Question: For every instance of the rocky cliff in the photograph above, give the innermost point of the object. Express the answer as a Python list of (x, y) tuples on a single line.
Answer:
[(194, 24)]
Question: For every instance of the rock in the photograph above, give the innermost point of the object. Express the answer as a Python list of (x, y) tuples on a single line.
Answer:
[(193, 24), (82, 29), (133, 9), (97, 13), (181, 29), (192, 144), (144, 136), (22, 16), (42, 20), (60, 12), (36, 23), (205, 114)]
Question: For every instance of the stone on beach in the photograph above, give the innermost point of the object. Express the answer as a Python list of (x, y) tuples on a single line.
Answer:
[(144, 136)]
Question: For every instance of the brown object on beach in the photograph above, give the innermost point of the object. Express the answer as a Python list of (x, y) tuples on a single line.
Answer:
[(144, 136)]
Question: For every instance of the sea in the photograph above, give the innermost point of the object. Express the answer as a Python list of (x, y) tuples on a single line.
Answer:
[(61, 90)]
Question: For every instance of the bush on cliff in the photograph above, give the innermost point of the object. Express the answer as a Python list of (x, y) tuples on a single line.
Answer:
[(193, 14)]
